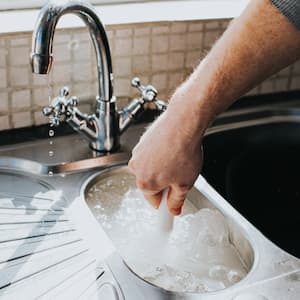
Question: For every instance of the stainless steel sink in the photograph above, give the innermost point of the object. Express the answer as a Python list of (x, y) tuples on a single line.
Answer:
[(255, 165), (239, 237), (273, 273)]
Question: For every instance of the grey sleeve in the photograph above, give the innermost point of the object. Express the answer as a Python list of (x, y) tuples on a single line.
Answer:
[(291, 9)]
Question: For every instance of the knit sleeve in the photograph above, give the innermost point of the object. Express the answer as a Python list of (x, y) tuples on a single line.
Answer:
[(289, 8)]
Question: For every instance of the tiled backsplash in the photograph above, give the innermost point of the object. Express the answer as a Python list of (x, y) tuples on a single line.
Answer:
[(162, 54)]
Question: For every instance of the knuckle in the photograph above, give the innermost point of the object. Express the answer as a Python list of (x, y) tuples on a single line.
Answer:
[(142, 184)]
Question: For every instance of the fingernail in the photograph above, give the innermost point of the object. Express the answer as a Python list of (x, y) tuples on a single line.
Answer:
[(176, 211)]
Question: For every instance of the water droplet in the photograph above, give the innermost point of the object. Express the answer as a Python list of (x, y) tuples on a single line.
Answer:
[(50, 173), (51, 132), (50, 142), (51, 153)]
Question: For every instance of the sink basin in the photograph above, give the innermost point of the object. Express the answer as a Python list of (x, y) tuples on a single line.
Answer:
[(255, 165), (98, 185)]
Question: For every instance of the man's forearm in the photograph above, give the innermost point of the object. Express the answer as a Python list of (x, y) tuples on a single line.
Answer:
[(257, 44), (169, 154)]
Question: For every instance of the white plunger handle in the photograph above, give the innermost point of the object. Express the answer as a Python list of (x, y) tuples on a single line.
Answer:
[(165, 219)]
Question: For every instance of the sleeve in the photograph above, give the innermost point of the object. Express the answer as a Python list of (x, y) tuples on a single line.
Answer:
[(289, 8)]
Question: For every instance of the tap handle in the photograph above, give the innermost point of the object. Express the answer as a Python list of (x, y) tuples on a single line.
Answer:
[(47, 111), (148, 93), (61, 107), (136, 82), (64, 91), (161, 105)]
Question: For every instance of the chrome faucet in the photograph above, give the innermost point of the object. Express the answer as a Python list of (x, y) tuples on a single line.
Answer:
[(104, 127)]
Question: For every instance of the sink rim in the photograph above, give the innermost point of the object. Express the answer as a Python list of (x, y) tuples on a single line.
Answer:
[(31, 167)]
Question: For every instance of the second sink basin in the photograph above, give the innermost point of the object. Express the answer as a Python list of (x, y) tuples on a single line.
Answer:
[(256, 168)]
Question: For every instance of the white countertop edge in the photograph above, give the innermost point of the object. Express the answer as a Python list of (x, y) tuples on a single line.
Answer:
[(24, 20)]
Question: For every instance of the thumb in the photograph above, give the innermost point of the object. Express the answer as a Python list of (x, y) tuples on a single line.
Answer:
[(176, 199)]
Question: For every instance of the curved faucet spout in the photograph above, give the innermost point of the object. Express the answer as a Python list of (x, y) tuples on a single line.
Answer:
[(42, 41)]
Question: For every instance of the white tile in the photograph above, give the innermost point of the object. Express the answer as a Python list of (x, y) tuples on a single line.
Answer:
[(19, 76), (20, 41), (62, 36), (85, 91), (192, 59), (179, 27), (40, 79), (3, 55), (296, 68), (61, 53), (123, 32), (196, 26), (142, 31), (175, 78), (2, 42), (4, 123), (295, 85), (176, 61), (141, 65), (122, 66), (281, 84), (39, 118), (267, 87), (82, 52), (159, 62), (122, 102), (122, 87), (85, 108), (159, 81), (157, 29), (3, 101), (210, 37), (81, 34), (177, 42), (21, 119), (123, 47), (195, 40), (212, 25), (21, 99), (41, 96), (19, 56), (61, 74), (141, 45), (109, 33), (3, 79), (160, 44), (82, 71)]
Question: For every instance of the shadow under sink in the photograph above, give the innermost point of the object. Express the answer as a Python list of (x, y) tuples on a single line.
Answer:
[(257, 169)]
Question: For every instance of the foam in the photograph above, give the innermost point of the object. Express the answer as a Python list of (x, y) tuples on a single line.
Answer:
[(195, 256)]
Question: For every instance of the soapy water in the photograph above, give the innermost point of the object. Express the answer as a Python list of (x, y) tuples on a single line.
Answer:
[(196, 256)]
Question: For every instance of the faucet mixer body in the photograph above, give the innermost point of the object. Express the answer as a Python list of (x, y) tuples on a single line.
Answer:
[(105, 125)]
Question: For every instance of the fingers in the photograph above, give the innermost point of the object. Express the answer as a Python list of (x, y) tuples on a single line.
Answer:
[(148, 185), (176, 199), (153, 197)]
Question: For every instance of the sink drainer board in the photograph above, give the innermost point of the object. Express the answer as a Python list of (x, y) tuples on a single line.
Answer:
[(263, 259), (41, 253)]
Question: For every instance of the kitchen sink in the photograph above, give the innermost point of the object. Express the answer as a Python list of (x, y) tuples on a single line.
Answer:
[(250, 176), (255, 165)]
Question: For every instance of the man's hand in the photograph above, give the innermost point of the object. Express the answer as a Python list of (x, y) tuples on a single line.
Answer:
[(168, 155)]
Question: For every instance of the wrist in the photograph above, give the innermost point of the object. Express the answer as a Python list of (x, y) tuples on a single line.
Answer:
[(192, 108)]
